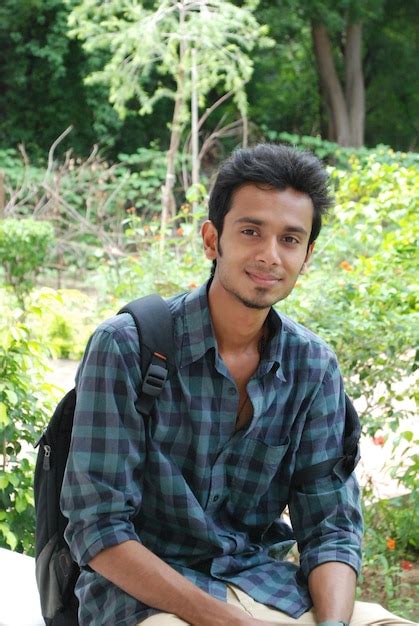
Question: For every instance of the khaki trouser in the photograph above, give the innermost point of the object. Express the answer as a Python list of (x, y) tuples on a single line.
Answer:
[(365, 614)]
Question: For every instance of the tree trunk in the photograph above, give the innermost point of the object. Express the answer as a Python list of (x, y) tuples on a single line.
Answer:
[(331, 84), (169, 204), (354, 84), (194, 121), (2, 196), (168, 198)]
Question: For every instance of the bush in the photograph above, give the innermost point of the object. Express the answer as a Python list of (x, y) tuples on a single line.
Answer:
[(24, 247), (24, 404), (64, 319), (361, 292)]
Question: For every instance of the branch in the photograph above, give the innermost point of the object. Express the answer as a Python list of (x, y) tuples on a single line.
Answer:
[(212, 108), (54, 145)]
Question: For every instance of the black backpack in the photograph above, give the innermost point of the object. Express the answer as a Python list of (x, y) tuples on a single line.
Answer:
[(56, 572)]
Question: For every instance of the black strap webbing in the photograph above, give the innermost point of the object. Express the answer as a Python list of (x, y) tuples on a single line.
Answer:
[(154, 324), (340, 467)]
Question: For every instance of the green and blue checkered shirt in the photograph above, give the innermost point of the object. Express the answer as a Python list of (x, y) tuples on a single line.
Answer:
[(204, 497)]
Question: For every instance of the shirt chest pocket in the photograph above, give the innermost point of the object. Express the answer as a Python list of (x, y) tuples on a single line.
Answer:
[(254, 466)]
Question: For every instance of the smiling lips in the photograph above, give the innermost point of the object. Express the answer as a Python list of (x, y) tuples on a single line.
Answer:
[(262, 279)]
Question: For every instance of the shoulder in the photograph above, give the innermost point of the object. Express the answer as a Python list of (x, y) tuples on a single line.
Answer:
[(119, 330), (297, 333), (301, 346)]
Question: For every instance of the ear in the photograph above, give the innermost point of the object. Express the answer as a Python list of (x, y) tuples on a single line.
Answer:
[(308, 257), (210, 238)]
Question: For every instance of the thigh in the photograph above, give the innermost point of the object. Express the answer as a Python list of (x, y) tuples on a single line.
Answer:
[(370, 614), (268, 613), (162, 619), (364, 614)]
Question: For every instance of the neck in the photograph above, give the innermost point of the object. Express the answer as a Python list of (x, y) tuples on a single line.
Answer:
[(237, 327)]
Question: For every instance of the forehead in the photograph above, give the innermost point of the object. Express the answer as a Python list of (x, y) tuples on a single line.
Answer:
[(271, 205)]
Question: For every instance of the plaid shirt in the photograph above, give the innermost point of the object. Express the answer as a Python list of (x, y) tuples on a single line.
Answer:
[(207, 499)]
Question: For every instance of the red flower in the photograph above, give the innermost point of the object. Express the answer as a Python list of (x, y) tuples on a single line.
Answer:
[(406, 565)]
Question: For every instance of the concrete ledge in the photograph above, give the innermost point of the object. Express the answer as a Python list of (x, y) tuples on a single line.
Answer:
[(19, 604)]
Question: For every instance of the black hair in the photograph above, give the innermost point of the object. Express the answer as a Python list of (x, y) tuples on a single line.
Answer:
[(277, 166)]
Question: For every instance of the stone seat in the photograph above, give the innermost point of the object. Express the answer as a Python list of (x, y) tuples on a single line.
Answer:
[(19, 604)]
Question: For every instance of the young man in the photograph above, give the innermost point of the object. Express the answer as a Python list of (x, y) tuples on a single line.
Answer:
[(255, 397)]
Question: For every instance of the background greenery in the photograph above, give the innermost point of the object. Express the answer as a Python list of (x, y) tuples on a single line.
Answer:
[(81, 228)]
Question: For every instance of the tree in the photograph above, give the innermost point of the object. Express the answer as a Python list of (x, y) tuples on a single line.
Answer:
[(149, 53), (344, 96), (336, 29)]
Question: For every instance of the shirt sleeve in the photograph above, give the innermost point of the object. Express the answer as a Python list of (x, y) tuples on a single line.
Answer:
[(102, 484), (325, 513)]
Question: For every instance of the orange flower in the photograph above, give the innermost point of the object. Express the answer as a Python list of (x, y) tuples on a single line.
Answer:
[(193, 285), (406, 565), (347, 267), (180, 231), (391, 544), (378, 440)]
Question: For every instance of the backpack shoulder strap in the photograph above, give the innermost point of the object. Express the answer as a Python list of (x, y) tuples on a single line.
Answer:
[(341, 466), (154, 323)]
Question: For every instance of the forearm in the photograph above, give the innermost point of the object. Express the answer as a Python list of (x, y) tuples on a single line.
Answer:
[(146, 577), (332, 589)]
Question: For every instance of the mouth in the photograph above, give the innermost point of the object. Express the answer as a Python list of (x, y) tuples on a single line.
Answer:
[(263, 280)]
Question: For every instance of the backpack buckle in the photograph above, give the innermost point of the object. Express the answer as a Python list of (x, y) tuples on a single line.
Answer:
[(154, 380)]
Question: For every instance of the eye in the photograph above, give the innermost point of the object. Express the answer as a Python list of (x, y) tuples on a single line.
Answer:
[(290, 239), (250, 232)]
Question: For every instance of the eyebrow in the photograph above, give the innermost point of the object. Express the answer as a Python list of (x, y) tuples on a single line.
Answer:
[(258, 222)]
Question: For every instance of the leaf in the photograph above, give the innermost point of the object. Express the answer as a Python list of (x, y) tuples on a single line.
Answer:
[(3, 414), (11, 396), (11, 539), (4, 480)]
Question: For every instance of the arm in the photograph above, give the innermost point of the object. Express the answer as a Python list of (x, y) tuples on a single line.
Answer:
[(103, 489), (142, 574), (332, 589), (325, 513)]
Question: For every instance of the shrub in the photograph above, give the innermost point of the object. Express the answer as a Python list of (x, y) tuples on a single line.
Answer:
[(24, 404), (24, 247)]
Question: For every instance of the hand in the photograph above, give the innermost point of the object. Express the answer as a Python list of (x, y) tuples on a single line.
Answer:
[(229, 615)]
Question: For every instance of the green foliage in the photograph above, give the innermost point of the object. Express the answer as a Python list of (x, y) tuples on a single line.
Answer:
[(24, 247), (145, 45), (340, 157), (146, 168), (390, 549), (367, 307), (68, 318), (23, 409), (40, 67), (14, 172), (180, 267)]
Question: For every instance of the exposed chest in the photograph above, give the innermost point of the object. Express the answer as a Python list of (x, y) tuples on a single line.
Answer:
[(241, 368)]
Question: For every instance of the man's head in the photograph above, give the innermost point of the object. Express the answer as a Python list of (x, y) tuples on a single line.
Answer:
[(265, 213), (272, 165)]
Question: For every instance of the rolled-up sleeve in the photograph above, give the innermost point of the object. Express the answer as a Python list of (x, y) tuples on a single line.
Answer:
[(101, 490), (326, 513)]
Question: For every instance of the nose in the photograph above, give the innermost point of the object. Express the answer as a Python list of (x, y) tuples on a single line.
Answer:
[(269, 252)]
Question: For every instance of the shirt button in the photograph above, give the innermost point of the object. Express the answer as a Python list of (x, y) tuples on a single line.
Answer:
[(232, 391), (215, 498)]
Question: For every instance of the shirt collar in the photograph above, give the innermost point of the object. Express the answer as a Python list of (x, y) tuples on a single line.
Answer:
[(195, 329), (196, 335)]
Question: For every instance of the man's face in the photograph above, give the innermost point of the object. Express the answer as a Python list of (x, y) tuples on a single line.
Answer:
[(263, 246)]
